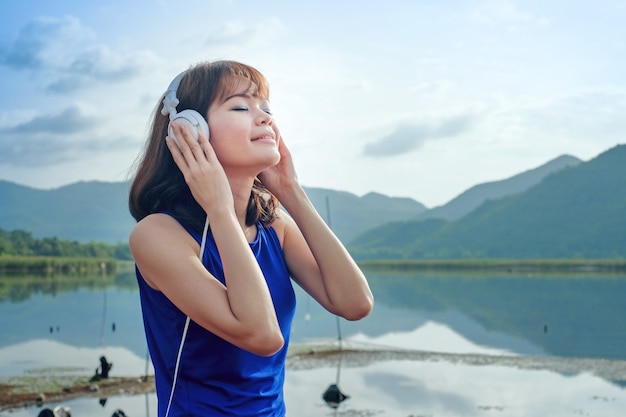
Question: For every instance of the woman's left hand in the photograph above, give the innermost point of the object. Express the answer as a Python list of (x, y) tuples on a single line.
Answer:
[(282, 176)]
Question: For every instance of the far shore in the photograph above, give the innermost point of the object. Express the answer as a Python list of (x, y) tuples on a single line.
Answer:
[(46, 266), (501, 265)]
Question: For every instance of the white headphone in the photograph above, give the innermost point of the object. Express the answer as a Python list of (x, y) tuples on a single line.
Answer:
[(191, 118)]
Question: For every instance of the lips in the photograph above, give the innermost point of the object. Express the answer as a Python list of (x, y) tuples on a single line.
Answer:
[(265, 136)]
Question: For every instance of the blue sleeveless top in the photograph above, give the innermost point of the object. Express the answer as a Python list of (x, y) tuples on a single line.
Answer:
[(216, 378)]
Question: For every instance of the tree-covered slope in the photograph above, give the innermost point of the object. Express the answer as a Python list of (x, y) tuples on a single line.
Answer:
[(82, 211), (577, 212), (475, 196), (350, 215), (98, 211)]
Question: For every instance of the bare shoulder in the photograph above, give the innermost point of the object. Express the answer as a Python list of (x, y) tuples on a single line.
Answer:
[(156, 219), (283, 225), (156, 242), (154, 226)]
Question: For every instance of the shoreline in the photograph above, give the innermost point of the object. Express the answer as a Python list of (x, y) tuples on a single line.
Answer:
[(15, 393), (23, 391)]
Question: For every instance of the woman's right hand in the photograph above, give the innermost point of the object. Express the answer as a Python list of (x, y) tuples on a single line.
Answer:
[(201, 169)]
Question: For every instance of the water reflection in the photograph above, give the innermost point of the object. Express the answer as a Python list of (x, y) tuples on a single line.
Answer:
[(401, 388), (501, 345), (431, 336), (577, 315), (423, 388), (45, 357)]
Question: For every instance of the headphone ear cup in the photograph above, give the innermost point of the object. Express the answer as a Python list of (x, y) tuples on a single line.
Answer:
[(193, 120)]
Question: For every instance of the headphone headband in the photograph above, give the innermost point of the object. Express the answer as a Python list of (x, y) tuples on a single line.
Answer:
[(190, 117), (169, 98)]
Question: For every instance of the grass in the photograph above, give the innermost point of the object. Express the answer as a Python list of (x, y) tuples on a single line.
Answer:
[(48, 265), (511, 265)]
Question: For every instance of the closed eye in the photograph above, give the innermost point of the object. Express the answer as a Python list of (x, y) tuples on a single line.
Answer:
[(240, 108)]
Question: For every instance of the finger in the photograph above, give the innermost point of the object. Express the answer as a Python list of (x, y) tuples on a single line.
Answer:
[(209, 152), (177, 155), (187, 142), (201, 137), (206, 147), (173, 147), (179, 134), (204, 144), (282, 147), (275, 127)]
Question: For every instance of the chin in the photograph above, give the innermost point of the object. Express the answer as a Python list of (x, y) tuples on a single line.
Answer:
[(273, 159), (268, 163)]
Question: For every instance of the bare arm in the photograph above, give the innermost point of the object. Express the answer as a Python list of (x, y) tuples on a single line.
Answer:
[(316, 258), (241, 312), (322, 266)]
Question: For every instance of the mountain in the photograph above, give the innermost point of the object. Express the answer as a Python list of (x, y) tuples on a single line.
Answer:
[(577, 212), (471, 199), (97, 211), (83, 211), (350, 215)]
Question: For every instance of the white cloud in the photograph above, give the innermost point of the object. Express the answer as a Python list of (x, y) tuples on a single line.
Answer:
[(46, 140), (410, 136), (70, 120), (69, 55), (47, 43), (237, 33)]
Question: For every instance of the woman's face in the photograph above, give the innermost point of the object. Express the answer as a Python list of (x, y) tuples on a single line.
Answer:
[(242, 133)]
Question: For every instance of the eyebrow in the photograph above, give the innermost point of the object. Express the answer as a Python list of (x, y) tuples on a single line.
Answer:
[(244, 95)]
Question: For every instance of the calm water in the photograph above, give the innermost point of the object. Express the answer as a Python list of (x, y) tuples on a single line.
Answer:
[(469, 345)]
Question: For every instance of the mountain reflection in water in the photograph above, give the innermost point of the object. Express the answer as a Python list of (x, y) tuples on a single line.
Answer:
[(464, 345)]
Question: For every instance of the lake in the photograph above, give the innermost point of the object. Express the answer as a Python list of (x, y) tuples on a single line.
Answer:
[(436, 344)]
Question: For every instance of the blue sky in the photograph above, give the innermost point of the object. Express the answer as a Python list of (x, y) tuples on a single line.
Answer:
[(417, 99)]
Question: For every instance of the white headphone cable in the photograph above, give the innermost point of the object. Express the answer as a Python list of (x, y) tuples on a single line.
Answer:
[(182, 340)]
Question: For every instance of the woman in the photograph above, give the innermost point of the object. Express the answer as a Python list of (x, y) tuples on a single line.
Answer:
[(238, 292)]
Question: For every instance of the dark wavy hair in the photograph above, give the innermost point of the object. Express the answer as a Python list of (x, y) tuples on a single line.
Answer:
[(158, 185)]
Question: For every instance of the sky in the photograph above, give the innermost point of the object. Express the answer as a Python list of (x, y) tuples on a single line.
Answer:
[(407, 98)]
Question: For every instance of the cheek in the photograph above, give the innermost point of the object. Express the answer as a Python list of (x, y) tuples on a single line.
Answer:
[(220, 148), (227, 130), (227, 151)]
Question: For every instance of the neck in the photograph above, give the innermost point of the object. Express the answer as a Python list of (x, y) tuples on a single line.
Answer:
[(241, 189)]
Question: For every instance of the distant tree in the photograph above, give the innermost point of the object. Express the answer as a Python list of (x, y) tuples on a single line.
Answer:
[(22, 243), (5, 244)]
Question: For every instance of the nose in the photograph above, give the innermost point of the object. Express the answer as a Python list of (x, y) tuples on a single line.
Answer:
[(264, 117)]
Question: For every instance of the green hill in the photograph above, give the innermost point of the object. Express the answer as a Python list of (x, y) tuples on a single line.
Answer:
[(575, 212), (578, 212), (350, 215), (97, 211), (472, 198), (83, 211)]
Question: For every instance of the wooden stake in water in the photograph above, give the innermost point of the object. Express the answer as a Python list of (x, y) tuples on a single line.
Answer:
[(333, 395)]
